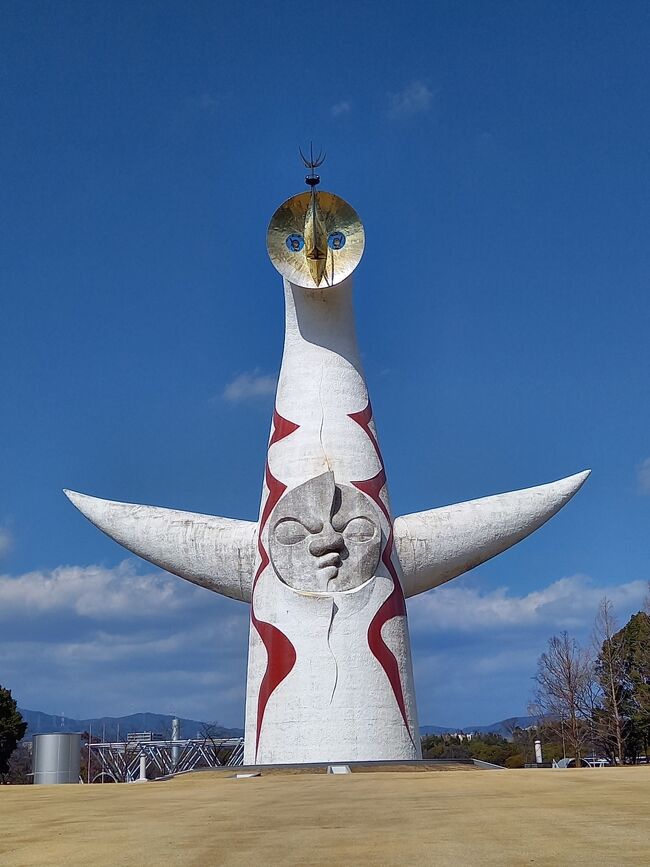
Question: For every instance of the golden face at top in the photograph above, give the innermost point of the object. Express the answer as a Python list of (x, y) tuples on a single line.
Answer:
[(315, 239)]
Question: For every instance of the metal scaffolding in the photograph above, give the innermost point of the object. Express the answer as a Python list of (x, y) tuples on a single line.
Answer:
[(121, 762)]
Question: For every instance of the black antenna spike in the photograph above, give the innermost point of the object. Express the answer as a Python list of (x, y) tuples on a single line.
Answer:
[(311, 163), (312, 178)]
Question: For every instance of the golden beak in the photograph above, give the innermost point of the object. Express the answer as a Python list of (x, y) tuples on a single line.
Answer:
[(315, 236)]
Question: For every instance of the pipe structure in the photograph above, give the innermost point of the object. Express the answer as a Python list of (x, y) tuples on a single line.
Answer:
[(176, 736)]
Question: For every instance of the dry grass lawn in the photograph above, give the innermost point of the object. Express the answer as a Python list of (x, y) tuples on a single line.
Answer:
[(540, 817)]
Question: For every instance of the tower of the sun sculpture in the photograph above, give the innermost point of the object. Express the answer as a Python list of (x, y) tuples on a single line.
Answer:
[(326, 569)]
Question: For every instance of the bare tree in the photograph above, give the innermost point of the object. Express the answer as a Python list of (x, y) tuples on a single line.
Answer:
[(608, 715), (564, 691), (646, 601), (212, 734)]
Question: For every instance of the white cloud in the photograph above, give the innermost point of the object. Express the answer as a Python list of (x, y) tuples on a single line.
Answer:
[(206, 102), (475, 652), (339, 108), (95, 640), (6, 541), (249, 386), (569, 603), (92, 640), (89, 591), (415, 98), (643, 476)]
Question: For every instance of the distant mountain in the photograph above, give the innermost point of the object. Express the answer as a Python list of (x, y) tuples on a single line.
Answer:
[(504, 727), (116, 728), (110, 727)]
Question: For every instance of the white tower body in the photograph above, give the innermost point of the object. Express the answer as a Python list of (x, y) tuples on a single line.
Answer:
[(329, 675)]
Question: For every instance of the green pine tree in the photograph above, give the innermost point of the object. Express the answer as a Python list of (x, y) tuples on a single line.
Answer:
[(12, 729), (635, 638)]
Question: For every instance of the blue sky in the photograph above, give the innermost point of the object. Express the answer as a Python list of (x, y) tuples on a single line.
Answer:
[(499, 155)]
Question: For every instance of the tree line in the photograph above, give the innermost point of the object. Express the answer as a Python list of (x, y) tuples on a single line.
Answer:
[(591, 700), (595, 699), (490, 747)]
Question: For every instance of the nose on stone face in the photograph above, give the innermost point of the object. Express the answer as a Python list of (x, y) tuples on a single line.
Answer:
[(326, 542)]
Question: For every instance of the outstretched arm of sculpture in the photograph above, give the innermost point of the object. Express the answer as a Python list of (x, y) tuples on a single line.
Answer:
[(440, 544), (433, 546), (217, 553)]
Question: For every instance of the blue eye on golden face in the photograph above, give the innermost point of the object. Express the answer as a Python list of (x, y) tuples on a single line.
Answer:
[(336, 241), (295, 243)]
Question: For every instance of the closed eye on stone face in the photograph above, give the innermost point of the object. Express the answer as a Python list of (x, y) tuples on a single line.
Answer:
[(290, 532), (359, 530)]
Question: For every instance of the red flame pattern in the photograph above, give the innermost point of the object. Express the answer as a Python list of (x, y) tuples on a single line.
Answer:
[(280, 652), (395, 605)]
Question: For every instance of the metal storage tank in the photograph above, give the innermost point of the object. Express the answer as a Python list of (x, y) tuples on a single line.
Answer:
[(56, 758)]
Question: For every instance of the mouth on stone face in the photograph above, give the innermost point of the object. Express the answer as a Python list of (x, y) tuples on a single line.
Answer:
[(330, 561), (328, 567)]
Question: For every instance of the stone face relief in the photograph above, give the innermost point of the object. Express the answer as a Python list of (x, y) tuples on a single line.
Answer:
[(324, 537)]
